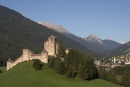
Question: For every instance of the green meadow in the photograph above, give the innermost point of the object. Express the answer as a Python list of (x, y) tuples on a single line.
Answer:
[(23, 75)]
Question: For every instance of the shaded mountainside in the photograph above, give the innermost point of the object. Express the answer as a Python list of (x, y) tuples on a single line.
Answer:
[(125, 48), (18, 32), (92, 42)]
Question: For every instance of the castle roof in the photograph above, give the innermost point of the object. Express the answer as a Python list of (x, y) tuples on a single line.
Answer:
[(9, 60), (44, 51), (52, 36)]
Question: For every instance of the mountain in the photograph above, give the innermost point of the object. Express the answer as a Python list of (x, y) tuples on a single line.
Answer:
[(107, 44), (93, 39), (92, 42), (18, 32), (57, 28), (110, 44), (123, 49)]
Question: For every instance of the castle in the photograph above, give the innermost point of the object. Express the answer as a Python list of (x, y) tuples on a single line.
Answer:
[(50, 48)]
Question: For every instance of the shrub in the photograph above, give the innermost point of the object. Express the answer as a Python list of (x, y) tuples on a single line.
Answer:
[(1, 71), (37, 65)]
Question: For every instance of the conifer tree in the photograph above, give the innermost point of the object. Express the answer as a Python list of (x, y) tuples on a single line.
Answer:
[(87, 70), (58, 66), (61, 50)]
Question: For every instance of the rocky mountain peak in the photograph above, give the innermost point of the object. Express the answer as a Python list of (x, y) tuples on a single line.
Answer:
[(93, 39), (57, 28)]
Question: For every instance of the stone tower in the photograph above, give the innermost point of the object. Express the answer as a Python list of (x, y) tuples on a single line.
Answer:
[(9, 64), (26, 54), (50, 45)]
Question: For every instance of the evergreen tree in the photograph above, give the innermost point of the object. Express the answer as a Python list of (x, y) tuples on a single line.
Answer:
[(61, 50), (51, 61), (87, 70), (70, 73), (102, 73), (126, 79), (58, 66)]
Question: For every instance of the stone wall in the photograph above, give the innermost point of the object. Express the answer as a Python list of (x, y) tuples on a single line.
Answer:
[(50, 45), (50, 48)]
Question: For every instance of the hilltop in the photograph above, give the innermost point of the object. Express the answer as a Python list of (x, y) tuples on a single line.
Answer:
[(23, 75)]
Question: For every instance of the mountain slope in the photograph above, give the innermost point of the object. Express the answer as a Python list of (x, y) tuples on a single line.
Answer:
[(110, 44), (98, 49), (18, 32), (57, 28), (23, 75), (104, 44), (93, 39), (125, 48), (92, 42)]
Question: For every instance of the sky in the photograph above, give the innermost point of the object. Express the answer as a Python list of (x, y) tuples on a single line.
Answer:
[(107, 19)]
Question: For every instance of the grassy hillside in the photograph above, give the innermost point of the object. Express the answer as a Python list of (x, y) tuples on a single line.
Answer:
[(18, 32), (23, 75)]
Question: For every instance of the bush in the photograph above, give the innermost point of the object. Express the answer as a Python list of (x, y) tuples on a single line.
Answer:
[(1, 71), (70, 73), (37, 65)]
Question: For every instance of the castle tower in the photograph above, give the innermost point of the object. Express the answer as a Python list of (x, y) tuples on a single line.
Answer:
[(9, 64), (25, 54), (44, 56), (50, 45)]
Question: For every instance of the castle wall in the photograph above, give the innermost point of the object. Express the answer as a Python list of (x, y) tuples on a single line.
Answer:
[(13, 63), (50, 48), (44, 57), (28, 55)]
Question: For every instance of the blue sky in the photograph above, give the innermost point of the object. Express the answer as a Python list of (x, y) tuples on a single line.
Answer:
[(108, 19)]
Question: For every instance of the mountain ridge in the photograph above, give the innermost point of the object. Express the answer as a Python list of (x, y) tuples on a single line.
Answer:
[(18, 32), (92, 42)]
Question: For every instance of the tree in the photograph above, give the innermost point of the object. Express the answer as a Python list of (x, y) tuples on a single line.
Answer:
[(126, 79), (119, 70), (70, 73), (74, 58), (61, 50), (51, 61), (102, 72), (1, 71), (87, 70), (37, 64), (58, 66)]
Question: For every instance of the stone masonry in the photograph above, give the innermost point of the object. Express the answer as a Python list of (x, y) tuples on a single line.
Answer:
[(50, 48)]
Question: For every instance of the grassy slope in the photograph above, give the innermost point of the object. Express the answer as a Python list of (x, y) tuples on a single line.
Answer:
[(23, 75)]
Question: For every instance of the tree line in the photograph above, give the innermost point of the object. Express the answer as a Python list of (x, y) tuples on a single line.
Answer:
[(73, 64), (119, 75)]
